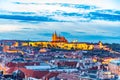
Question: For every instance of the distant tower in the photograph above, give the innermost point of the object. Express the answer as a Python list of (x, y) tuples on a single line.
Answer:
[(54, 37), (100, 45)]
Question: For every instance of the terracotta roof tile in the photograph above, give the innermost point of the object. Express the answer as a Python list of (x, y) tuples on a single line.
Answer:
[(28, 72)]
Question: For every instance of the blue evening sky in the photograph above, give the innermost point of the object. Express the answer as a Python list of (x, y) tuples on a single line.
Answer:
[(82, 20)]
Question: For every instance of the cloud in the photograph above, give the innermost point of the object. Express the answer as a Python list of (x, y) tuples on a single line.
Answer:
[(27, 18), (101, 3), (85, 20), (8, 28), (103, 16), (87, 31), (60, 11)]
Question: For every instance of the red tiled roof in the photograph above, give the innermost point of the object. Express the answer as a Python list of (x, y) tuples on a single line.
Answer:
[(39, 74), (51, 74), (28, 72), (10, 70), (20, 64), (71, 64), (11, 64)]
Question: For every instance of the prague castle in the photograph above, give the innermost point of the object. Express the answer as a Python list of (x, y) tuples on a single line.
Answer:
[(62, 43), (56, 38), (57, 42)]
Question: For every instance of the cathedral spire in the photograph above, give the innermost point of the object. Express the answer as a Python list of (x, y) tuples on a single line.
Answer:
[(54, 36), (55, 33), (58, 38)]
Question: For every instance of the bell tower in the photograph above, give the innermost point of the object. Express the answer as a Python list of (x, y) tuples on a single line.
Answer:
[(100, 45), (54, 37)]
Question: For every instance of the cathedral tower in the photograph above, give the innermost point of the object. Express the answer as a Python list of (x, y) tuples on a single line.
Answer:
[(54, 37)]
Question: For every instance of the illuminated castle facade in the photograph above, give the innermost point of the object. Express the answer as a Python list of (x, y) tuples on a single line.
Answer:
[(56, 42), (56, 38)]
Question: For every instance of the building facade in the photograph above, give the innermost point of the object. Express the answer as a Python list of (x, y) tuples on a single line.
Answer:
[(114, 67), (56, 38)]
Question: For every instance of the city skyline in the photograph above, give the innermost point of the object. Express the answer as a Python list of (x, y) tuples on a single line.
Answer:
[(82, 20)]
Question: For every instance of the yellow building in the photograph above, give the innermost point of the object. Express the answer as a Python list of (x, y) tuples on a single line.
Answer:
[(100, 45), (24, 44), (59, 42), (76, 46)]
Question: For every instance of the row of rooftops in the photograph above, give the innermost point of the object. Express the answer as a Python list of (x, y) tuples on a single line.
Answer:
[(65, 63), (31, 70)]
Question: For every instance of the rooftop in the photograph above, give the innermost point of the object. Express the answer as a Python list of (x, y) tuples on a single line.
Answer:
[(116, 62)]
